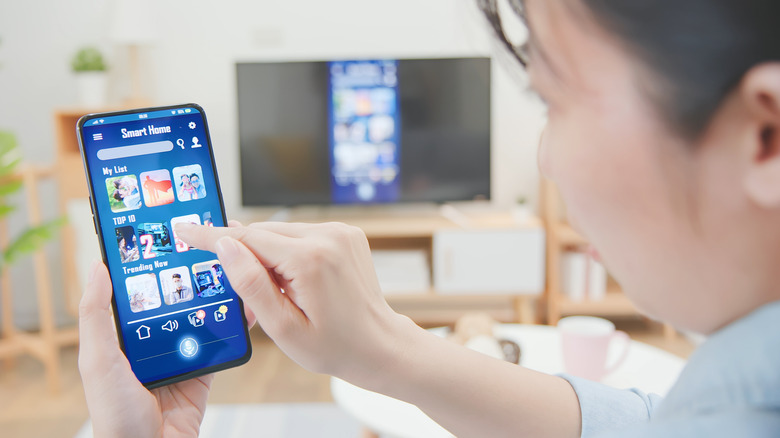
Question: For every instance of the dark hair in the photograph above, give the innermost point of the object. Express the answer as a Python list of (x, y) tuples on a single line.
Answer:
[(696, 51)]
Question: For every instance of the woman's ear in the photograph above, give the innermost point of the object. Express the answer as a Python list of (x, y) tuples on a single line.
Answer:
[(760, 91)]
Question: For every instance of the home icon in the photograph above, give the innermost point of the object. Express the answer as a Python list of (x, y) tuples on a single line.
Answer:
[(143, 332)]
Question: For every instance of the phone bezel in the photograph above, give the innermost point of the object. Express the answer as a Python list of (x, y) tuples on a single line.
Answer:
[(99, 231)]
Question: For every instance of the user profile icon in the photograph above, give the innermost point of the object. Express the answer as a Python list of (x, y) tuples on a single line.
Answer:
[(195, 143)]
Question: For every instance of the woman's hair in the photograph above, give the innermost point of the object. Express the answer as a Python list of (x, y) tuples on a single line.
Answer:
[(695, 51)]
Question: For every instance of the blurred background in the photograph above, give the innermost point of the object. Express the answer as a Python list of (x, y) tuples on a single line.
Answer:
[(60, 60), (186, 51)]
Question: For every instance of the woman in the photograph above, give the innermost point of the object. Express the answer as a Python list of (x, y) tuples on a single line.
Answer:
[(128, 253), (127, 192), (186, 191), (663, 137), (199, 192)]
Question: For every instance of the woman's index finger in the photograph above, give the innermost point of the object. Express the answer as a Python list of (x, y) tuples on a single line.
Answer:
[(270, 248)]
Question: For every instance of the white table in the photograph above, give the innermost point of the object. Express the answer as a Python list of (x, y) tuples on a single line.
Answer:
[(647, 368)]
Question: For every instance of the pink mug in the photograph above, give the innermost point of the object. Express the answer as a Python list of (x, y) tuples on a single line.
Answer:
[(586, 341)]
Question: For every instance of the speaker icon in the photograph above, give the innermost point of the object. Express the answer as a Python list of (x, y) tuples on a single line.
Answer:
[(171, 325)]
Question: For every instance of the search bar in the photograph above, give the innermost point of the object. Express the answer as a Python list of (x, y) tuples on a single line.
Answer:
[(135, 150)]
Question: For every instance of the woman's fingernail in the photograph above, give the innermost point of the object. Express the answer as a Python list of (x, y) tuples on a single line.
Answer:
[(227, 249)]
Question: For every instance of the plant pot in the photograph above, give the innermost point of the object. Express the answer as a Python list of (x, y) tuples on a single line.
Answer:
[(521, 214), (91, 88)]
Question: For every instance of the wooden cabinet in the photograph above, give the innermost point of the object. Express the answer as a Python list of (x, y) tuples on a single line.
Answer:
[(68, 174), (71, 184), (389, 230), (45, 343)]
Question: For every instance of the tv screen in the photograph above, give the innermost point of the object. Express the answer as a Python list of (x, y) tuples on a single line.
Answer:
[(364, 131)]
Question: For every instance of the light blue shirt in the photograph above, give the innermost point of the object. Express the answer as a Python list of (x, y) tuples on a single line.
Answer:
[(729, 388)]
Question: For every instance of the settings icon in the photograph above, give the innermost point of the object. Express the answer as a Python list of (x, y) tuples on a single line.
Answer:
[(192, 125)]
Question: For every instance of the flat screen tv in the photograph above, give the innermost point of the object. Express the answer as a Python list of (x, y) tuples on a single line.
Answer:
[(371, 131)]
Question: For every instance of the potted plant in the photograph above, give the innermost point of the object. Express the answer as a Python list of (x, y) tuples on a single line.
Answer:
[(91, 77), (521, 211), (31, 238)]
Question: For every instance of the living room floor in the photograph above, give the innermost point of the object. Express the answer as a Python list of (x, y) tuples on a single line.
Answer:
[(28, 410)]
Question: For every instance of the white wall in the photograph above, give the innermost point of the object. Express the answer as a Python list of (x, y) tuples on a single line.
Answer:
[(199, 42)]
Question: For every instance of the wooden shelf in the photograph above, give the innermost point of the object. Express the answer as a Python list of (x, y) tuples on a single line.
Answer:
[(410, 226), (431, 308), (432, 296), (388, 229), (614, 304), (70, 176), (567, 237), (45, 343)]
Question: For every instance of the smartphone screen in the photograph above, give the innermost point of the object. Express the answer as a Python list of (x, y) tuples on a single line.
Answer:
[(177, 316)]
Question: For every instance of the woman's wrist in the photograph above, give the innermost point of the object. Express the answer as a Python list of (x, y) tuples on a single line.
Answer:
[(386, 356)]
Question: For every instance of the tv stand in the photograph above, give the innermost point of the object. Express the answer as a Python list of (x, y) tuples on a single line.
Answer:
[(413, 229)]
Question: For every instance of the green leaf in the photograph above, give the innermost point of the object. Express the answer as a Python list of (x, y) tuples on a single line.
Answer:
[(7, 169), (7, 142), (10, 187), (9, 153), (6, 209), (32, 239), (88, 59)]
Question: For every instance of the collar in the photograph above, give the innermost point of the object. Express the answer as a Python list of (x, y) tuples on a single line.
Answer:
[(738, 366)]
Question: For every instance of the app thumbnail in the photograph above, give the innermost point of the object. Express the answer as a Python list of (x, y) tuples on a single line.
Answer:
[(142, 292), (127, 244), (157, 187), (123, 194), (209, 278), (189, 182), (181, 246), (155, 239), (176, 285)]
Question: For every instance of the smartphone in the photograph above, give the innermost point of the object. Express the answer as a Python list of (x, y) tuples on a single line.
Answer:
[(148, 169)]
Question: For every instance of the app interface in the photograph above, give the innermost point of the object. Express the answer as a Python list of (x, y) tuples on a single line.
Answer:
[(364, 131), (176, 308)]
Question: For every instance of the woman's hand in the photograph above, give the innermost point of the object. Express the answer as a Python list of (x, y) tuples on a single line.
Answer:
[(118, 404), (314, 291)]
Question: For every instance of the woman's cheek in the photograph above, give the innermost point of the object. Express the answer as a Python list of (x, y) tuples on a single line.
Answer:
[(552, 148), (559, 151)]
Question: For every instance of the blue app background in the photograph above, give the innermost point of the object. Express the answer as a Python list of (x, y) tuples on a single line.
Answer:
[(160, 283), (364, 124)]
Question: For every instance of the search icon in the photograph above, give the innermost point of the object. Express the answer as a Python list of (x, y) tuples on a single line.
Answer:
[(180, 142)]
